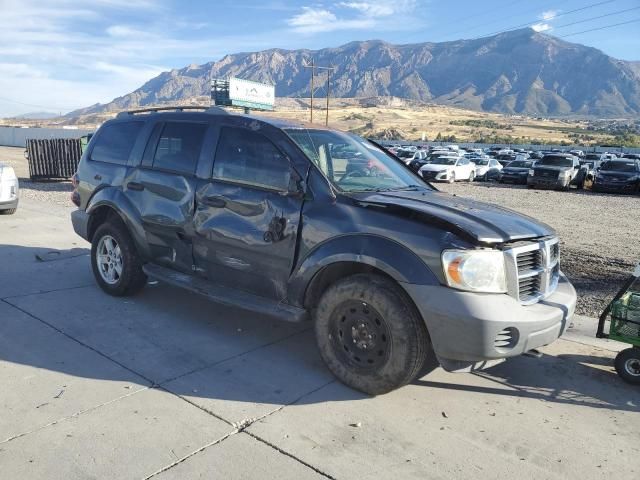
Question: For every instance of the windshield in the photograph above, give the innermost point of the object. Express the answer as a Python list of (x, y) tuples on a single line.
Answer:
[(556, 161), (444, 161), (477, 161), (520, 164), (404, 154), (592, 156), (619, 166), (351, 163)]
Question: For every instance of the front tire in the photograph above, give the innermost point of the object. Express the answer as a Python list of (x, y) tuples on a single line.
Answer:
[(452, 178), (472, 176), (370, 335), (8, 211), (116, 264), (627, 365)]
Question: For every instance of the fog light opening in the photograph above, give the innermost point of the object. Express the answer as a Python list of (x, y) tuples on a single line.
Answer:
[(506, 339)]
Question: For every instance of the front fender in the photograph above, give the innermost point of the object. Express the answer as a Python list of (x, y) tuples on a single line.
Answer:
[(118, 201), (389, 256)]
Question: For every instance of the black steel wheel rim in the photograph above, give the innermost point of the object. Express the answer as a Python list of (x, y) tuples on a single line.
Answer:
[(359, 335)]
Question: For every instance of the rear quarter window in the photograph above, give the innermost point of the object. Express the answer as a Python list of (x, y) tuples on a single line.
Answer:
[(115, 142)]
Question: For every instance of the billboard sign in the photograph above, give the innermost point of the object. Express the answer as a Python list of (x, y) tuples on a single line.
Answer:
[(245, 93)]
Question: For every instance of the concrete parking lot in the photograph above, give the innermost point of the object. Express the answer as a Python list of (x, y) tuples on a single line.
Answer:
[(168, 385)]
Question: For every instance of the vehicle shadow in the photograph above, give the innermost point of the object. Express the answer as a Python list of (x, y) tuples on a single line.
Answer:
[(46, 185), (172, 339), (582, 380)]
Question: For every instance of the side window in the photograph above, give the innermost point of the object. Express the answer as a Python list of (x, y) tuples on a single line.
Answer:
[(179, 147), (248, 157), (115, 142)]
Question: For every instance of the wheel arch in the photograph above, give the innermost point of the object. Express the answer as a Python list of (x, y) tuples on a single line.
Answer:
[(352, 254), (109, 204)]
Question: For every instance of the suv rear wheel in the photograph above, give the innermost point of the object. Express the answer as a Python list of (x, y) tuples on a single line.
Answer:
[(115, 261), (370, 335)]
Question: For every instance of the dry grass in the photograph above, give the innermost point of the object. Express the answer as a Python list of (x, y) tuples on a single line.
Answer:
[(377, 116)]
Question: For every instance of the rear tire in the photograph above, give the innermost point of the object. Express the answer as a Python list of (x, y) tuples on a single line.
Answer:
[(370, 335), (627, 365), (9, 211), (116, 264)]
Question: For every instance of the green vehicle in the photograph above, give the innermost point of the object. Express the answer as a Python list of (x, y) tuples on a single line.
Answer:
[(625, 327)]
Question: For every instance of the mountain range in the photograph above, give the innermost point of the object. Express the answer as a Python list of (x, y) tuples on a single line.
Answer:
[(516, 72)]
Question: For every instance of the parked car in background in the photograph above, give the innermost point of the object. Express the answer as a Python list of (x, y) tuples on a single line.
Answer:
[(449, 169), (621, 175), (9, 190), (577, 153), (487, 168), (257, 213), (556, 170), (610, 156), (595, 157), (516, 172), (506, 158), (632, 156)]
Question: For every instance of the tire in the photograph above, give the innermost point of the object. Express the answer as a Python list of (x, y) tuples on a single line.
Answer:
[(472, 175), (370, 335), (114, 244), (627, 365), (8, 211), (452, 178)]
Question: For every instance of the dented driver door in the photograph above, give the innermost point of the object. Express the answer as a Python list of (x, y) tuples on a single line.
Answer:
[(247, 218)]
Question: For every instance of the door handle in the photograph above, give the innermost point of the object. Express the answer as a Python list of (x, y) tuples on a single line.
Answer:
[(135, 186), (97, 177), (214, 201)]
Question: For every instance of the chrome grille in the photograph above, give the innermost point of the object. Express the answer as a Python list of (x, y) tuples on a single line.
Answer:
[(533, 269)]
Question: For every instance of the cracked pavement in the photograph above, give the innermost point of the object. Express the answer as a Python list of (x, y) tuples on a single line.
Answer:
[(169, 385)]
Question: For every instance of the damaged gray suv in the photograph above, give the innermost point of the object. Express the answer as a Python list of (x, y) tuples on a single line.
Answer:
[(306, 223)]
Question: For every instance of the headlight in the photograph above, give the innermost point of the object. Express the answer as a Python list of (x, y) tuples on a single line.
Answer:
[(531, 172), (475, 270), (565, 173)]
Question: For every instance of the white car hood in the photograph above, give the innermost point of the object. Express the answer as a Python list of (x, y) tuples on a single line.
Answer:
[(432, 167)]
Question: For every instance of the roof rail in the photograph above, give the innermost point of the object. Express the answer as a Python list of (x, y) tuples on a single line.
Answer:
[(178, 108)]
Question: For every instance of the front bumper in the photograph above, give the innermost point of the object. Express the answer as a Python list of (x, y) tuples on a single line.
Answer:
[(9, 204), (80, 222), (548, 182), (440, 176), (464, 327), (513, 177), (622, 187)]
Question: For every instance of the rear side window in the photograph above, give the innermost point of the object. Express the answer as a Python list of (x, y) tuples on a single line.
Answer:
[(179, 147), (244, 156), (115, 142)]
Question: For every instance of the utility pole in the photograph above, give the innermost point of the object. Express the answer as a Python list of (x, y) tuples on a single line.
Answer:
[(313, 68), (326, 120)]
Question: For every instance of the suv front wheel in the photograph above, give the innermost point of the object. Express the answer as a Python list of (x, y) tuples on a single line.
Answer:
[(370, 335), (115, 261)]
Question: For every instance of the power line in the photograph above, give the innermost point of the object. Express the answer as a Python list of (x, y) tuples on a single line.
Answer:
[(554, 17), (601, 28), (595, 18), (34, 105)]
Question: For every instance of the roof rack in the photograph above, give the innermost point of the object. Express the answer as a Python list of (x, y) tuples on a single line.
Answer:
[(178, 108)]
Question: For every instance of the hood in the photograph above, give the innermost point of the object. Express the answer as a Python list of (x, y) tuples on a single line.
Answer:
[(433, 167), (476, 221), (515, 169)]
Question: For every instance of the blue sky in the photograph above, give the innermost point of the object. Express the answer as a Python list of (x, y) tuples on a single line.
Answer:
[(58, 55)]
